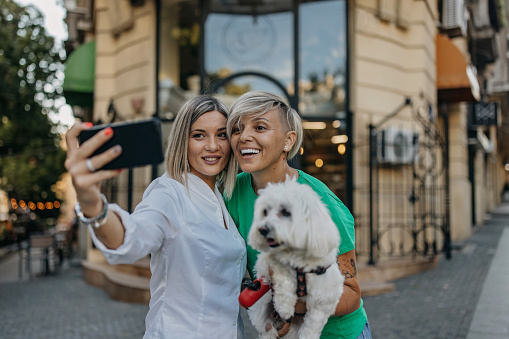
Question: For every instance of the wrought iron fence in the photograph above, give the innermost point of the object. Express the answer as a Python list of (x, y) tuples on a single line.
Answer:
[(407, 214)]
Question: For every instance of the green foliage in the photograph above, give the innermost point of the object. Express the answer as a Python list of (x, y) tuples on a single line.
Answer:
[(503, 13), (31, 74)]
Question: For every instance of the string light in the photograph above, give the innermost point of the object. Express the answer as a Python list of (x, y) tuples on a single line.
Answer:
[(339, 139), (341, 149), (32, 205)]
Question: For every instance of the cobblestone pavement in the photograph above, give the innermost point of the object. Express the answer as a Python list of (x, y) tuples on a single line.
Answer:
[(436, 304), (439, 303), (63, 306)]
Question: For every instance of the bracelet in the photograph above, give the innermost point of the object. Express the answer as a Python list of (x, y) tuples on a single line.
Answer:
[(96, 221)]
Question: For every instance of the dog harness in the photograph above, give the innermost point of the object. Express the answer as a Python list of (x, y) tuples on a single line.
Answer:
[(301, 279), (301, 287)]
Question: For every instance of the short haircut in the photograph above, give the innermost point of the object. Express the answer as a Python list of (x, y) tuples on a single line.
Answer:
[(177, 162), (256, 103)]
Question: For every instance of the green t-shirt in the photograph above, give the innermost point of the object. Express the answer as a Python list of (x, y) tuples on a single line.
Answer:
[(241, 208)]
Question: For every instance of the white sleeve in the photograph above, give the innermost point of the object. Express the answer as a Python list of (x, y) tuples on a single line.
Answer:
[(155, 220)]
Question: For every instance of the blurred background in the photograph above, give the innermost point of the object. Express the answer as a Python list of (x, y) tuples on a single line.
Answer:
[(405, 108)]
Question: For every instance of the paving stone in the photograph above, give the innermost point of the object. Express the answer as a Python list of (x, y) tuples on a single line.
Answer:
[(435, 304), (439, 303), (63, 306)]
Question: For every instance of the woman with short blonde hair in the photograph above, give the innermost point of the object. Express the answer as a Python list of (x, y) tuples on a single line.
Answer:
[(255, 104), (264, 133)]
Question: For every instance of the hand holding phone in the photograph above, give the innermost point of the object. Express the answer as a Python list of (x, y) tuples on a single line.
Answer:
[(140, 140)]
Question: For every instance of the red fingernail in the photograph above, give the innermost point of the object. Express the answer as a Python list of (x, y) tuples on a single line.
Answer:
[(120, 170), (108, 131), (88, 124)]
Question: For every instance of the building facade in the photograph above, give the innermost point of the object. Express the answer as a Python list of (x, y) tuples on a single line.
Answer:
[(386, 88)]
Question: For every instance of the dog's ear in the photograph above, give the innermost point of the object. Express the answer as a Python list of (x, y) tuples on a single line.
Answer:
[(322, 234)]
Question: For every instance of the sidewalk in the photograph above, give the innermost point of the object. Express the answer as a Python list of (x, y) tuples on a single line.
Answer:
[(491, 317), (465, 297), (61, 305)]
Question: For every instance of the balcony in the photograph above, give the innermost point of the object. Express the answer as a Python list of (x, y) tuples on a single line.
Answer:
[(484, 25)]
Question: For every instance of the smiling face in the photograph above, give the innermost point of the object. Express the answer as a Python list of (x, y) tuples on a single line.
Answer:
[(259, 142), (209, 149)]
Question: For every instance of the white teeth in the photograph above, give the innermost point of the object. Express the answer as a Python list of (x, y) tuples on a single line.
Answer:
[(210, 159), (249, 151)]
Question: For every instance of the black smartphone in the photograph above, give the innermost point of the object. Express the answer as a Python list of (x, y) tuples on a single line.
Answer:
[(140, 140)]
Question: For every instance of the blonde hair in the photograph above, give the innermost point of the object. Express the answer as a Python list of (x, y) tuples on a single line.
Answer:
[(177, 162), (256, 103)]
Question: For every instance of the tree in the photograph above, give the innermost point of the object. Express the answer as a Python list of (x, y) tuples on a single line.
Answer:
[(31, 159)]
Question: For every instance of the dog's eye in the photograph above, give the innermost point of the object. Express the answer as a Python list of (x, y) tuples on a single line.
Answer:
[(285, 213), (264, 212)]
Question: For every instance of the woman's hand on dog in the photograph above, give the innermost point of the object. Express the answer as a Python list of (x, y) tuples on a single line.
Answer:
[(280, 332), (300, 310), (300, 306)]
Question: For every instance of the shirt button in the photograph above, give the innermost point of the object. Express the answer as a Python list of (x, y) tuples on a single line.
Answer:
[(234, 323), (238, 262), (235, 236)]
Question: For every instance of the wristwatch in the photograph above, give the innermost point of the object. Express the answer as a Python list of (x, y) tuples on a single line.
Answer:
[(96, 221)]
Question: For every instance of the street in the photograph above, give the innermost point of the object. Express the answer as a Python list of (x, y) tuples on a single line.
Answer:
[(466, 297)]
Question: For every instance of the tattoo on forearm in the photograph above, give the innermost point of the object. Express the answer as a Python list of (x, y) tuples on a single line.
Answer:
[(349, 273)]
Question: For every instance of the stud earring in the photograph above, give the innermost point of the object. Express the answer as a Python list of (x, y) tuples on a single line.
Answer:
[(286, 148)]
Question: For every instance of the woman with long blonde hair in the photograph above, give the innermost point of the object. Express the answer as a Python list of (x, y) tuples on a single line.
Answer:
[(197, 256)]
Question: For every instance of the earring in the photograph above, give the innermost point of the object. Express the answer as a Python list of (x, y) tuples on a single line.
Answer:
[(286, 148)]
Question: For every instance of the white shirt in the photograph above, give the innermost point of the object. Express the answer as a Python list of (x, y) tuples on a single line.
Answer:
[(197, 265)]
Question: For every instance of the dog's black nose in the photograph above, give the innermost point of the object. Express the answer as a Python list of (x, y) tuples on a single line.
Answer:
[(263, 230)]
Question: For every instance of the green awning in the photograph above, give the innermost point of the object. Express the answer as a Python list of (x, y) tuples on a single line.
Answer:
[(79, 76)]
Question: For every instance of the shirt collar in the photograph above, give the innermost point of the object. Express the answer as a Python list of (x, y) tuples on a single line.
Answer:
[(198, 186)]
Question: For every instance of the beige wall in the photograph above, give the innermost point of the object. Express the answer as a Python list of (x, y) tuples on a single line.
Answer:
[(389, 62), (488, 178), (460, 188), (126, 63), (126, 71)]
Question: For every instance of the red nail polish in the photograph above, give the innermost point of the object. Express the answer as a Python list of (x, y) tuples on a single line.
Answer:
[(108, 131), (120, 170), (88, 124)]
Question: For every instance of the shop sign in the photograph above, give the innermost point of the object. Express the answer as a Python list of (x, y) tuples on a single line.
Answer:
[(484, 113)]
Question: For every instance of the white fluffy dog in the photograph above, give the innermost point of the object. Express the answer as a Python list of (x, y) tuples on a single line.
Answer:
[(294, 232)]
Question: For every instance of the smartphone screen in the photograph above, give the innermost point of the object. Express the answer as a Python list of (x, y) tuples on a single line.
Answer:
[(140, 140)]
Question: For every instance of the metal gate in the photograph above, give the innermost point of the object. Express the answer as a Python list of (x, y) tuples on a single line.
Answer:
[(408, 186)]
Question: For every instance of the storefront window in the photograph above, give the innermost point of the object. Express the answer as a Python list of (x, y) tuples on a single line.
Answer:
[(322, 66), (237, 40), (251, 45), (323, 154), (322, 92), (256, 37)]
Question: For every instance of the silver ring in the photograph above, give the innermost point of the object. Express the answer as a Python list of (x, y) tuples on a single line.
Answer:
[(90, 167)]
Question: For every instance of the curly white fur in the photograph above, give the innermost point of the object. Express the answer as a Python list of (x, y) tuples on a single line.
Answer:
[(292, 229)]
